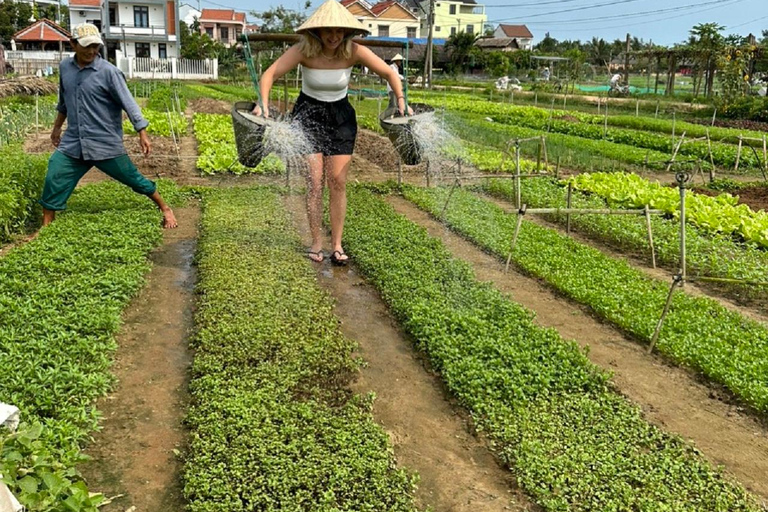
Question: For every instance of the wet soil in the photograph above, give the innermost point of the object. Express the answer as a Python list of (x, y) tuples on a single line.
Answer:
[(136, 454), (670, 397), (429, 433), (756, 197), (209, 106)]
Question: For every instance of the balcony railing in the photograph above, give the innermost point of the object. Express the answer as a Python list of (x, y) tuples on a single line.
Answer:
[(152, 31)]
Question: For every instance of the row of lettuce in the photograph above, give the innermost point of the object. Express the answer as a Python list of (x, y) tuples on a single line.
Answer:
[(551, 416), (719, 214), (61, 297), (638, 133)]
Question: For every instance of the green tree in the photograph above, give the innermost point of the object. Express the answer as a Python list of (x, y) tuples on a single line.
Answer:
[(280, 20), (707, 42), (459, 47), (548, 45), (599, 52), (197, 46), (497, 63)]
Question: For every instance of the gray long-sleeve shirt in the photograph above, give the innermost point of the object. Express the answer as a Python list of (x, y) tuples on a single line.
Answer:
[(93, 99)]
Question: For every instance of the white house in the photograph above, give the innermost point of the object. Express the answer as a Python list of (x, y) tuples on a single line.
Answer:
[(520, 33), (189, 14), (136, 28), (388, 18)]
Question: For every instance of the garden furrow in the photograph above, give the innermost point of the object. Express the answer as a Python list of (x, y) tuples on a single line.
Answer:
[(572, 443), (273, 424), (724, 346)]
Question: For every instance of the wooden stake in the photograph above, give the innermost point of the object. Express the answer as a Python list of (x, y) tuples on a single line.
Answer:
[(650, 235), (656, 115), (637, 108), (546, 159), (765, 154), (711, 158), (714, 115), (520, 214), (568, 205), (674, 153), (738, 155)]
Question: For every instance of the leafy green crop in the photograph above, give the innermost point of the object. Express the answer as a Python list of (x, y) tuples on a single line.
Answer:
[(21, 183), (723, 345), (217, 151), (572, 443), (715, 256), (160, 123), (61, 296), (720, 214), (273, 424)]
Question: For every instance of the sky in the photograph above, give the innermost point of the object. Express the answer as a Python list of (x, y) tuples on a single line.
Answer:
[(664, 22)]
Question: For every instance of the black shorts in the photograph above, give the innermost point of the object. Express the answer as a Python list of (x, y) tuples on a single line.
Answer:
[(330, 126)]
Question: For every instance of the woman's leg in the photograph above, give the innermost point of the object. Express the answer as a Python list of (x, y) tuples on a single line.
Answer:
[(336, 168), (315, 203)]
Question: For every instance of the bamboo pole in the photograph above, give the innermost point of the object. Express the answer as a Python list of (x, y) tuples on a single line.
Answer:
[(656, 115), (518, 200), (738, 155), (711, 158), (637, 107), (520, 214), (592, 211), (675, 282), (674, 153), (714, 115), (605, 126), (546, 158), (765, 154), (650, 235), (568, 207)]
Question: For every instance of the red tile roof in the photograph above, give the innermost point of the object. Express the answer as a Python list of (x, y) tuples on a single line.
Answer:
[(222, 15), (347, 3), (382, 6), (42, 30), (516, 31), (84, 3)]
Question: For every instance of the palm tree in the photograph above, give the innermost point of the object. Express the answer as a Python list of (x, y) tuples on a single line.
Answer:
[(459, 46)]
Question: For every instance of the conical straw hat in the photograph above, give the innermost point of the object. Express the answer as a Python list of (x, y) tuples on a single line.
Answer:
[(332, 14), (397, 57)]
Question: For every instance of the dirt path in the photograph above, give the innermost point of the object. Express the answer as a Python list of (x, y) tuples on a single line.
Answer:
[(670, 397), (429, 434), (135, 453)]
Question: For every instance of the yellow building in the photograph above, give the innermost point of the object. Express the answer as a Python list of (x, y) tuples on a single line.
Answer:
[(452, 17), (385, 19)]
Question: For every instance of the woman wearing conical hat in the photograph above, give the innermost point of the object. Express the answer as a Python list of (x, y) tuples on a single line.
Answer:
[(396, 63), (326, 54)]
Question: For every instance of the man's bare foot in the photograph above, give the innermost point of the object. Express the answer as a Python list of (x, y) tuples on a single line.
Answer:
[(169, 219)]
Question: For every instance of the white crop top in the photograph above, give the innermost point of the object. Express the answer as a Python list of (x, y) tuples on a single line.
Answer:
[(325, 84)]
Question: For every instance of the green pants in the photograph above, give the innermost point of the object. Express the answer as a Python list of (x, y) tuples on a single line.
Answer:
[(64, 172)]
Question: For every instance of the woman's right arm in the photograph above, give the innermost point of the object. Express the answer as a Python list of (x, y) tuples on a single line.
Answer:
[(286, 62)]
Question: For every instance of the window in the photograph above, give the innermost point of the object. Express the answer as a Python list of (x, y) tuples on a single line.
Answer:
[(437, 29), (141, 16), (453, 31), (470, 29), (452, 9), (209, 31), (411, 32), (112, 15), (224, 33), (162, 51), (383, 30), (142, 50)]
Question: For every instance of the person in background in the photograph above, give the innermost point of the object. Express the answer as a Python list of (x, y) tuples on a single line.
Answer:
[(92, 97), (396, 63), (327, 54)]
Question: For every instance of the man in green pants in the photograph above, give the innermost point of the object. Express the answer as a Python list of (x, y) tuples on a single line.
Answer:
[(92, 97)]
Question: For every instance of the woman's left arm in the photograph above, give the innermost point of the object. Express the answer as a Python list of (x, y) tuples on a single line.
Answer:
[(367, 58)]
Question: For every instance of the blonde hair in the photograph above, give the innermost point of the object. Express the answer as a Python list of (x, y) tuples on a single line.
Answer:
[(311, 46)]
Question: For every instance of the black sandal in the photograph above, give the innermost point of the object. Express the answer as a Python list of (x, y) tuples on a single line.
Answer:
[(338, 260), (318, 254)]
